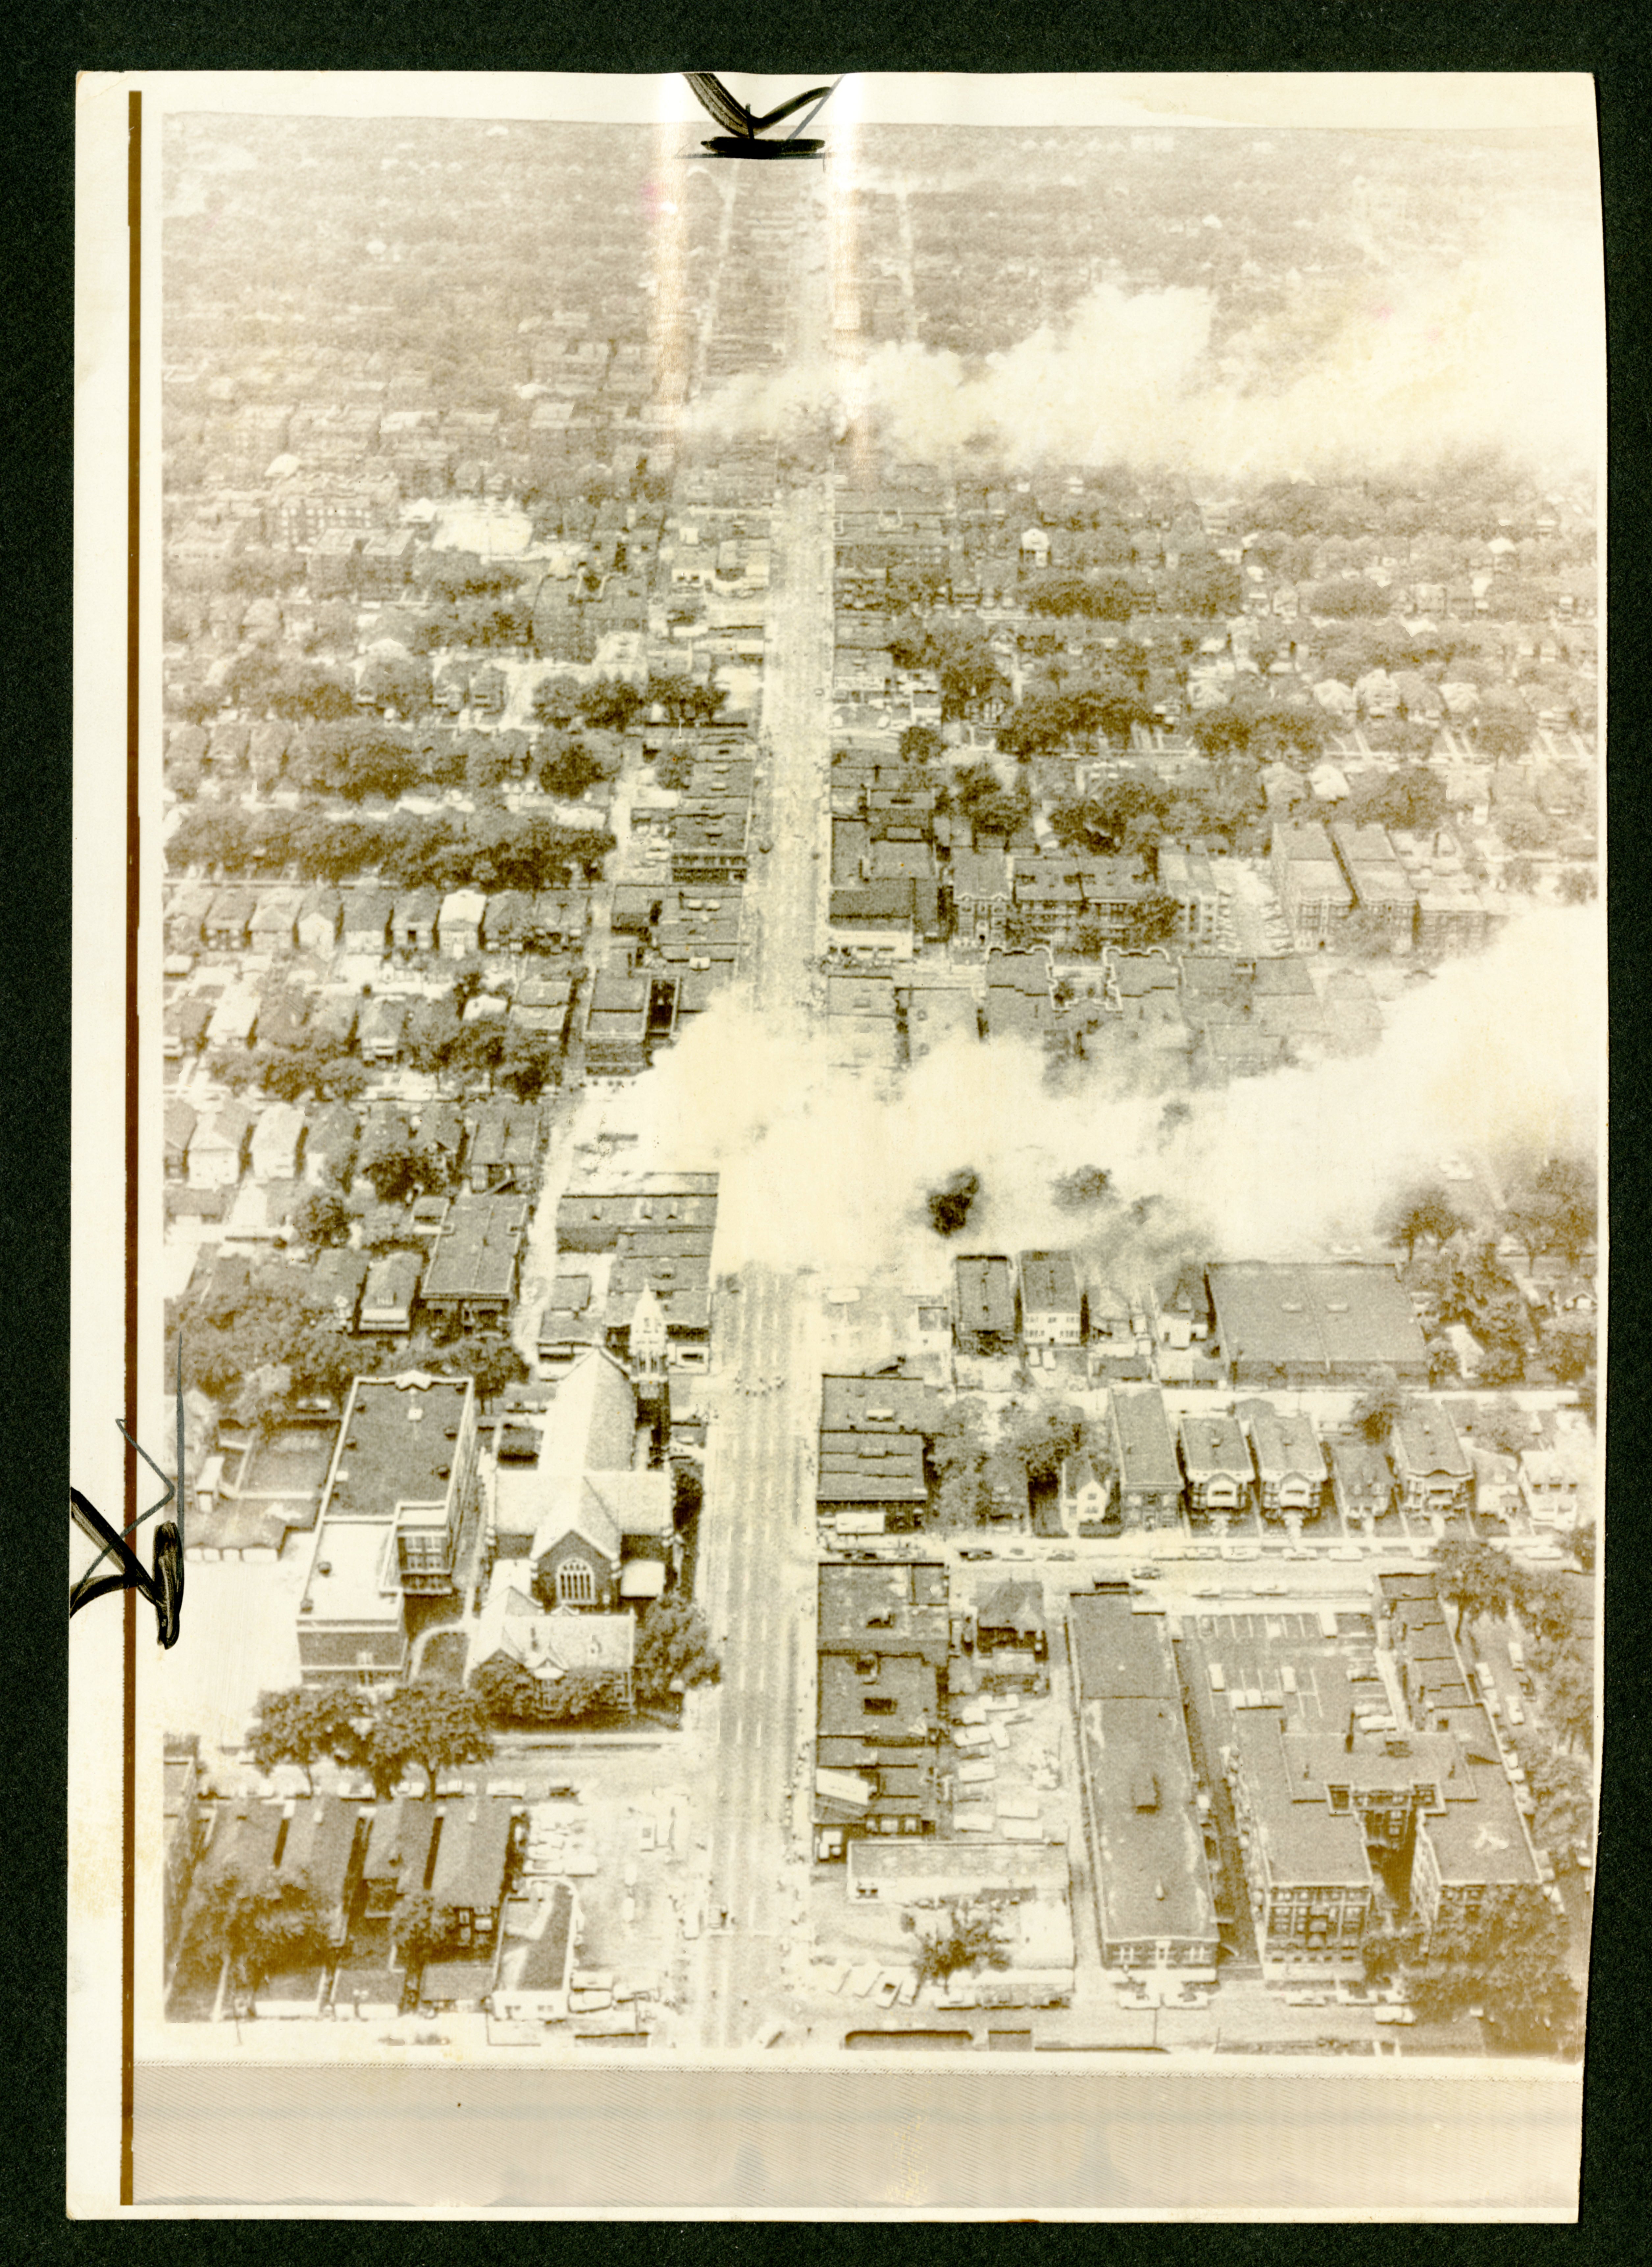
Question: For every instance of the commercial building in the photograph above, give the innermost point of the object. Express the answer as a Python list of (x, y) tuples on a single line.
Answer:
[(1143, 1818), (1288, 1326)]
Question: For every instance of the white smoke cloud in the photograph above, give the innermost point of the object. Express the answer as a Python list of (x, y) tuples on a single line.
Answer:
[(1382, 371), (1495, 1053)]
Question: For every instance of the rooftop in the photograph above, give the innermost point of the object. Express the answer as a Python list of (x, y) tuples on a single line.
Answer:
[(1322, 1315), (1049, 1281), (1212, 1446), (1424, 1440), (884, 1610), (898, 1706), (476, 1248), (396, 1444), (1147, 1454)]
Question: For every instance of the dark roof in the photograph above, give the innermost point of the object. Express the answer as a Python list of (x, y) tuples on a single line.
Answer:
[(476, 1248), (1011, 1605), (1346, 1315), (387, 1458), (1048, 1280), (1147, 1454), (986, 1294), (899, 1609), (471, 1860), (874, 901), (902, 1404)]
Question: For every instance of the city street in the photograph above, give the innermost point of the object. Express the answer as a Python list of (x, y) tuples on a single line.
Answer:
[(757, 1564)]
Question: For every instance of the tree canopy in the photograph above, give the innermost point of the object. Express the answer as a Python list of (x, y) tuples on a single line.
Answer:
[(950, 1203), (1416, 1213), (264, 1921), (673, 1647)]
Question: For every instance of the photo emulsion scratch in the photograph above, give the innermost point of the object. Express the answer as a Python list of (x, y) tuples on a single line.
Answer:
[(882, 997)]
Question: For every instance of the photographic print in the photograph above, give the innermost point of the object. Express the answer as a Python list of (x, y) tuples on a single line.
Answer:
[(865, 1139)]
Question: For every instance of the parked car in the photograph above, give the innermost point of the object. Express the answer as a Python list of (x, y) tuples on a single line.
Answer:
[(973, 1553), (1143, 1573)]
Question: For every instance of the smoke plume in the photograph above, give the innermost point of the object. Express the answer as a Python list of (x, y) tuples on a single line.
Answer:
[(1494, 1055), (1379, 371)]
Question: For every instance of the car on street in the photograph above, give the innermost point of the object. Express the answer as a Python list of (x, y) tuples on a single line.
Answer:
[(1143, 1573), (975, 1554), (1063, 1554)]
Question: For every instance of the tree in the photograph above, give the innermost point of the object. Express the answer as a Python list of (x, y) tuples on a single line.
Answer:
[(566, 1698), (1416, 1213), (1379, 1407), (1473, 1577), (920, 743), (1510, 1960), (556, 699), (610, 703), (1570, 1186), (1547, 1603), (434, 1726), (263, 1922), (508, 1690), (396, 682), (1503, 1426), (235, 1337), (1154, 920), (322, 1220), (513, 1694), (970, 1936), (399, 1174), (568, 768), (1084, 1186), (422, 1929), (1578, 886), (300, 1726), (674, 1651), (1568, 1698), (1040, 1439), (494, 1362), (526, 1064), (1563, 1790), (950, 1204), (1205, 586), (1412, 798)]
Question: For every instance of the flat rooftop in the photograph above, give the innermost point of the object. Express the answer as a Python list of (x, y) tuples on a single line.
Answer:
[(396, 1445)]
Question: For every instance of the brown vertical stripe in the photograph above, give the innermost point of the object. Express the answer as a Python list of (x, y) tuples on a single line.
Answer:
[(129, 1776)]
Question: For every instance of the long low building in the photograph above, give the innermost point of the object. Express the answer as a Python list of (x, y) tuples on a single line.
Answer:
[(1155, 1910), (1291, 1326)]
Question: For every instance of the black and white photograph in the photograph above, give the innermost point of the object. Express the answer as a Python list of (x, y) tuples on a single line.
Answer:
[(864, 1160)]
